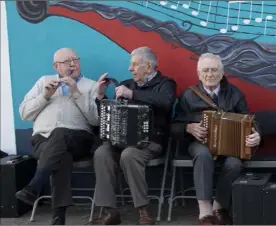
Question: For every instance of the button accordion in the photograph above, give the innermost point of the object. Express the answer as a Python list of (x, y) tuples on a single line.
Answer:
[(227, 133), (125, 123)]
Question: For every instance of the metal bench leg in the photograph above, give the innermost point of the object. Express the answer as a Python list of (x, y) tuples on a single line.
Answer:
[(92, 211), (36, 204), (183, 201), (121, 188), (172, 195), (161, 198)]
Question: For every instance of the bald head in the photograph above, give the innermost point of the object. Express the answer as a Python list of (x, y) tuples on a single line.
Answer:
[(66, 62), (64, 53)]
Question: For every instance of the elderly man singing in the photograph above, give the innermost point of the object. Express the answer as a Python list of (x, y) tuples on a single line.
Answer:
[(150, 87), (63, 108), (187, 123)]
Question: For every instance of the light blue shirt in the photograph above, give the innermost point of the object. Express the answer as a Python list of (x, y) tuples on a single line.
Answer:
[(65, 88)]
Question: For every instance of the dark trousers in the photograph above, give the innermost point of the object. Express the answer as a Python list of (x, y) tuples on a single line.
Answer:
[(204, 170), (57, 153)]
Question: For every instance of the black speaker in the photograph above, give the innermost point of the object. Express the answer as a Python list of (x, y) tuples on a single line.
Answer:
[(15, 173), (247, 198), (269, 204)]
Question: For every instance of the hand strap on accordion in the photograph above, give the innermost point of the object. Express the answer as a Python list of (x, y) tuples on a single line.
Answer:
[(204, 97), (113, 80)]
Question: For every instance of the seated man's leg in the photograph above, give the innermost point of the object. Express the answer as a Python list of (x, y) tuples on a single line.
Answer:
[(79, 144), (51, 153), (106, 168), (133, 163), (54, 148), (231, 170), (61, 189), (203, 180)]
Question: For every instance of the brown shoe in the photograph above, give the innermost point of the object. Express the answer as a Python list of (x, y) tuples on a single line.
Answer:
[(109, 216), (145, 216), (223, 217), (208, 220)]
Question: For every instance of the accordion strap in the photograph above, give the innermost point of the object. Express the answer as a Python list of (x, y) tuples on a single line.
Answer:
[(204, 97), (113, 80)]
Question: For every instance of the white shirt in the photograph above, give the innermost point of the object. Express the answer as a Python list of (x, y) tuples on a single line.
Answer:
[(216, 90)]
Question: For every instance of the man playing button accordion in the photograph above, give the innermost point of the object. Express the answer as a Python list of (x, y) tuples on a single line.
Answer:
[(188, 123), (150, 87)]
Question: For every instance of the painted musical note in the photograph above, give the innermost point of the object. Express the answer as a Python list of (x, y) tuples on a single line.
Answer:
[(260, 19), (163, 3), (205, 23), (236, 27), (147, 2), (247, 21), (195, 13), (268, 17), (186, 6), (175, 6)]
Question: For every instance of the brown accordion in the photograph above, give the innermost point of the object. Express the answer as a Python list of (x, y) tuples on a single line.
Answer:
[(227, 133)]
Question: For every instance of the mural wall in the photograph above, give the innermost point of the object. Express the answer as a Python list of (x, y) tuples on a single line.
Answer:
[(103, 33)]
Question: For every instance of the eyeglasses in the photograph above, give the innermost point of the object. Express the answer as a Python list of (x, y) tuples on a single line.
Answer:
[(68, 62), (213, 70)]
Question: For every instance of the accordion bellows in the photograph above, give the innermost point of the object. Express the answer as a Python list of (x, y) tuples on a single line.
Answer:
[(227, 133), (124, 123)]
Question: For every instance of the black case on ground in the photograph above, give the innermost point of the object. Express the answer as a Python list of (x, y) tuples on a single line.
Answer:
[(247, 198), (15, 173), (269, 204)]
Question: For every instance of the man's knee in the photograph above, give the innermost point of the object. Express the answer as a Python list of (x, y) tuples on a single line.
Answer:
[(127, 156), (202, 153), (102, 153), (233, 164)]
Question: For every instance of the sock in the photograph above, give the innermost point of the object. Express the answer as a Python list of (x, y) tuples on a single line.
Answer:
[(205, 208), (216, 205), (39, 179)]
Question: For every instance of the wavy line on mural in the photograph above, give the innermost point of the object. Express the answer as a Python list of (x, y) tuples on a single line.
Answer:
[(245, 59)]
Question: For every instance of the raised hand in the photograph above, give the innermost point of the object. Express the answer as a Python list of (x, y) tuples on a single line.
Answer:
[(50, 88), (71, 83), (102, 85)]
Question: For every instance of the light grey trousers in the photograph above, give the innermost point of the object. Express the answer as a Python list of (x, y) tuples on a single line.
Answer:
[(203, 174), (133, 162)]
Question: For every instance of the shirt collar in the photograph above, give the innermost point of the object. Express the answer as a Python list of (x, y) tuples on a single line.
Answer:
[(216, 90), (148, 78)]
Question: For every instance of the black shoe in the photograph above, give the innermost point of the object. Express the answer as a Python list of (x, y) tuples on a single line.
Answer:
[(58, 220), (27, 196)]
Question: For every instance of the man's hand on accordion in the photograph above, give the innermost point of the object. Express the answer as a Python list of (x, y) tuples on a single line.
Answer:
[(197, 130), (123, 92), (253, 139)]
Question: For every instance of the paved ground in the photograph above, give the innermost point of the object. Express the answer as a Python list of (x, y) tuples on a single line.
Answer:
[(79, 215)]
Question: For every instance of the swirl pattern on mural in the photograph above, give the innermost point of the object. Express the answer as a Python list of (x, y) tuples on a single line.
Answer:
[(245, 59), (32, 11)]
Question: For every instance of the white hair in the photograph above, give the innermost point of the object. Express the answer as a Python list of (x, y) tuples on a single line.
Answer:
[(210, 56), (146, 54)]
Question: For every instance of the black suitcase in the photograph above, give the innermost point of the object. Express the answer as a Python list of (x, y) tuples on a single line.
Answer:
[(247, 198), (269, 204), (15, 173)]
